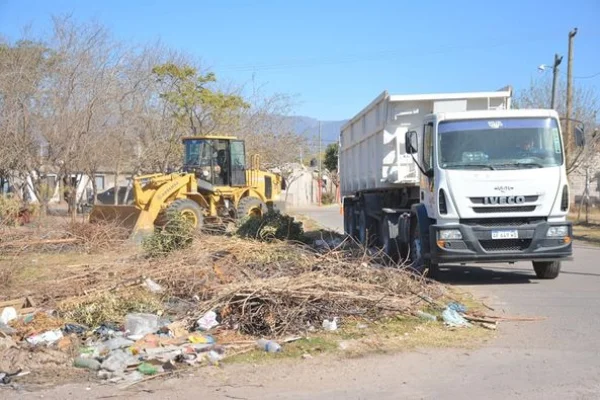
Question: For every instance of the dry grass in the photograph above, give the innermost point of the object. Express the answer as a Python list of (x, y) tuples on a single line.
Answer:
[(257, 288)]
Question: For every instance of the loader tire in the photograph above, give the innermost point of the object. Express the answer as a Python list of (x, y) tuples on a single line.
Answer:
[(189, 209), (251, 207)]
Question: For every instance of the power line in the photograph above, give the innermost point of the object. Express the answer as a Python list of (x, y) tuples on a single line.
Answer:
[(352, 58)]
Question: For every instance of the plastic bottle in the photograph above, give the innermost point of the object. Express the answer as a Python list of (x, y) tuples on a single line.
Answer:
[(268, 345), (88, 363), (139, 324)]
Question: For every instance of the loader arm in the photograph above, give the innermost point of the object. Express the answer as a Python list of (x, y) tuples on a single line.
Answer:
[(151, 194)]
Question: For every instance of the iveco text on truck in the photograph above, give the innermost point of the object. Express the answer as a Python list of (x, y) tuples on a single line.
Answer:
[(457, 178)]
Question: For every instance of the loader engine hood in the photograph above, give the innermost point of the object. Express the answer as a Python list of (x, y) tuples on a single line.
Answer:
[(504, 193)]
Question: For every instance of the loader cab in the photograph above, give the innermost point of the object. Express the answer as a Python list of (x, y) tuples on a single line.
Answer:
[(219, 161)]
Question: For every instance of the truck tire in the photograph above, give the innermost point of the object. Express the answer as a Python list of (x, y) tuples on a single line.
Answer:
[(389, 237), (349, 220), (189, 209), (415, 257), (251, 207), (546, 269), (365, 228)]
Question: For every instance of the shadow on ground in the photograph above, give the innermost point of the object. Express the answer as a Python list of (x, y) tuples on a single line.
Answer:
[(471, 275)]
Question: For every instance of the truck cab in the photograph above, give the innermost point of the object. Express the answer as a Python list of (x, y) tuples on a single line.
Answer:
[(494, 188)]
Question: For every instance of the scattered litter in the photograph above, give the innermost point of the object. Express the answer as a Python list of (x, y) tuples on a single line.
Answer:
[(118, 361), (8, 314), (457, 307), (116, 343), (88, 363), (147, 369), (6, 377), (153, 286), (197, 339), (268, 345), (7, 330), (490, 326), (208, 321), (453, 318), (48, 337), (137, 325), (330, 325), (74, 328), (426, 316)]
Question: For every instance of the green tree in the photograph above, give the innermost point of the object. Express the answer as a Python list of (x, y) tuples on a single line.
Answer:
[(195, 106), (331, 157)]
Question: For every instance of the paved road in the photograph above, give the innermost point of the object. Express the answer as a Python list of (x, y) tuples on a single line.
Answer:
[(555, 358), (558, 358)]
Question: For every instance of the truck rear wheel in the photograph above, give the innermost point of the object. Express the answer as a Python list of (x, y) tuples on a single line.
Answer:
[(389, 237), (365, 228), (546, 269), (349, 220)]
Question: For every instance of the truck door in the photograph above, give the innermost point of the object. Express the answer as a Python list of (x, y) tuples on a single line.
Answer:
[(428, 183)]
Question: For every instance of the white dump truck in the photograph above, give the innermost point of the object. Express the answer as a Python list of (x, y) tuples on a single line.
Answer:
[(457, 178)]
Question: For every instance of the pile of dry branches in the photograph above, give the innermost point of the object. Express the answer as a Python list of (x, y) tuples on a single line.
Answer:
[(256, 288)]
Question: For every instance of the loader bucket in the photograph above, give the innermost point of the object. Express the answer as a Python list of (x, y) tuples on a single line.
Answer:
[(138, 222)]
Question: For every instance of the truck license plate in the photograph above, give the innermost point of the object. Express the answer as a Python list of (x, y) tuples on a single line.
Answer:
[(505, 234)]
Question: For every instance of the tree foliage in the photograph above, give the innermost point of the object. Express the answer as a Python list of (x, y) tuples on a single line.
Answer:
[(331, 157), (78, 102)]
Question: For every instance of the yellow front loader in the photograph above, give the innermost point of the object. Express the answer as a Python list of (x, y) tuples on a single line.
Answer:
[(215, 183)]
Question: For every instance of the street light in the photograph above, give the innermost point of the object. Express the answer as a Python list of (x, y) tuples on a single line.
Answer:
[(544, 67)]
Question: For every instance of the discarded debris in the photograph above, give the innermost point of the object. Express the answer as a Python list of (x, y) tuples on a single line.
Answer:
[(208, 321), (330, 325), (453, 319), (426, 316), (268, 345), (8, 314)]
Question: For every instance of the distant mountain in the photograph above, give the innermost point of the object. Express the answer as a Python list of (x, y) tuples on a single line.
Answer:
[(309, 127)]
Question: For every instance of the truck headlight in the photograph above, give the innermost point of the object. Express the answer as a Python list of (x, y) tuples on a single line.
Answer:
[(449, 234), (557, 231)]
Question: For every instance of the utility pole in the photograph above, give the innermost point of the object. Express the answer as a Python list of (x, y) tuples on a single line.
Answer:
[(557, 61), (320, 166), (569, 136)]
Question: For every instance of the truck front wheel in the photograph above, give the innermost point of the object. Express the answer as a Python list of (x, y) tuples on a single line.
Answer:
[(415, 257), (546, 269)]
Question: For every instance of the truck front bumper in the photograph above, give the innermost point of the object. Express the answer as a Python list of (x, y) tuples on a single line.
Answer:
[(481, 243)]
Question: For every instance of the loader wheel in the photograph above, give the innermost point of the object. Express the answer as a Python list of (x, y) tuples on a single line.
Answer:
[(189, 210), (251, 207)]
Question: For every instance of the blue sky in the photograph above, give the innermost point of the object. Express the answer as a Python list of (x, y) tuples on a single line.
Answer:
[(336, 56)]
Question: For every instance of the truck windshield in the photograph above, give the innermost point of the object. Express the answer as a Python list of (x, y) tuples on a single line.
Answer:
[(509, 143)]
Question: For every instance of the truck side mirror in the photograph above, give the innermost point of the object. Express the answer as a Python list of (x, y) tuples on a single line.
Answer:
[(411, 142), (580, 135)]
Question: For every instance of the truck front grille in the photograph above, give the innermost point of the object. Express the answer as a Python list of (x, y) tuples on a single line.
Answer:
[(491, 210), (500, 222), (505, 244)]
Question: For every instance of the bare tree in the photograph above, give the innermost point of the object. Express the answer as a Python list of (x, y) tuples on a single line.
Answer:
[(586, 106)]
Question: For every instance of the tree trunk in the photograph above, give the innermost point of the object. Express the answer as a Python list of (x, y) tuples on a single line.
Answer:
[(94, 188), (117, 172)]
